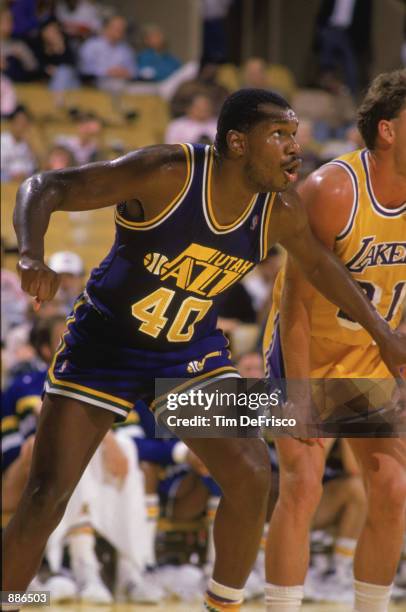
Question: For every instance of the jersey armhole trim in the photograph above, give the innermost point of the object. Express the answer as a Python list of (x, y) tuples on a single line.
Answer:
[(346, 230), (265, 220), (171, 207)]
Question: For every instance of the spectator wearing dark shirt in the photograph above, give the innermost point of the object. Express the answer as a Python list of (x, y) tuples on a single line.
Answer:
[(56, 58)]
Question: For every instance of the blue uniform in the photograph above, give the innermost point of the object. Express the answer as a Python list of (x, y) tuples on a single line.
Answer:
[(149, 309), (20, 403)]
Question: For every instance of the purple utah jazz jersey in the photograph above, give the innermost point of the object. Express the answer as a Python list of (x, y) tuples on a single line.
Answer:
[(160, 283)]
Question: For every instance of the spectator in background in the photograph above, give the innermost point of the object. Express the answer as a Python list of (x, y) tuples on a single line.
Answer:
[(17, 157), (79, 18), (59, 158), (19, 62), (8, 97), (28, 15), (198, 122), (71, 269), (254, 74), (251, 365), (205, 83), (155, 63), (85, 147), (214, 31), (343, 36), (108, 58), (56, 60), (309, 148)]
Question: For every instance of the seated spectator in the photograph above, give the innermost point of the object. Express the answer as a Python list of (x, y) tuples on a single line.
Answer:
[(79, 18), (254, 73), (19, 62), (59, 158), (85, 147), (56, 59), (17, 157), (108, 58), (71, 270), (198, 122), (309, 148), (155, 63), (28, 15), (205, 83), (251, 365), (8, 97)]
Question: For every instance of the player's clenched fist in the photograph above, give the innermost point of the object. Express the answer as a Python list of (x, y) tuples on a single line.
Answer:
[(37, 279)]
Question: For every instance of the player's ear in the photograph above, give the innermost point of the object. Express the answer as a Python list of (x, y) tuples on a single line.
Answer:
[(236, 142), (386, 131)]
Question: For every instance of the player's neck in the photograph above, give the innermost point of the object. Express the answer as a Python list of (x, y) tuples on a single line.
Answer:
[(388, 185), (230, 192)]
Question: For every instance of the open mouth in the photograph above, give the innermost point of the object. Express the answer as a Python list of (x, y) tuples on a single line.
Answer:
[(291, 170)]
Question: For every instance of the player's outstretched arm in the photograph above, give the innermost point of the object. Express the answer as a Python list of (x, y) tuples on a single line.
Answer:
[(151, 176), (326, 272)]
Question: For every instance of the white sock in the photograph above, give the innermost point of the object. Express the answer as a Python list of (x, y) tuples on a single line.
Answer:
[(221, 598), (212, 506), (371, 597), (288, 599), (152, 509), (83, 558), (343, 557)]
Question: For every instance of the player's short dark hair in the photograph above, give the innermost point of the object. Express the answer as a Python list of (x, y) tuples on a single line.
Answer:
[(241, 112), (385, 99)]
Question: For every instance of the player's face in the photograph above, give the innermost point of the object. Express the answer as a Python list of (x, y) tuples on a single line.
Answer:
[(272, 151), (399, 149)]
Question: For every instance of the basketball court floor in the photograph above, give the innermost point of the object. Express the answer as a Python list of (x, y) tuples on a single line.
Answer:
[(186, 607)]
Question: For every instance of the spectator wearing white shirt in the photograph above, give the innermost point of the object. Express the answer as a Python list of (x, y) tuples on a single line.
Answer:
[(17, 158), (86, 145), (198, 125), (108, 57), (79, 18)]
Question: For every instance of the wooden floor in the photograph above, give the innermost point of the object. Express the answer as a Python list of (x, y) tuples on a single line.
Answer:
[(183, 607)]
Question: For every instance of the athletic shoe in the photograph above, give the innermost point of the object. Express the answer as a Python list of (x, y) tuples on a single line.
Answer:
[(35, 585), (61, 588), (254, 587), (186, 582), (95, 592), (335, 588), (146, 590)]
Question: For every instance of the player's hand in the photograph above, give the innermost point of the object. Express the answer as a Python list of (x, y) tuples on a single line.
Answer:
[(393, 352), (114, 459), (37, 279)]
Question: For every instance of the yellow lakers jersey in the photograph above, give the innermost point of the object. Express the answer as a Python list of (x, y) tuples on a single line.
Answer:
[(373, 248)]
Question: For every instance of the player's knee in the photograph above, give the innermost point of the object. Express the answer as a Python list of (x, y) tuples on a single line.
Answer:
[(387, 495), (47, 499), (302, 489), (248, 482)]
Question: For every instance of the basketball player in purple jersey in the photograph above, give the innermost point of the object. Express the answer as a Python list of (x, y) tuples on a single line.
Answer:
[(190, 221)]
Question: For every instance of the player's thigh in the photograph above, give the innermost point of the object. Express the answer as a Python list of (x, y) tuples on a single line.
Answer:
[(374, 454), (69, 431)]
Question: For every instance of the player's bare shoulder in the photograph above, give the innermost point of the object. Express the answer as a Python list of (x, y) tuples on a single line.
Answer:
[(328, 196)]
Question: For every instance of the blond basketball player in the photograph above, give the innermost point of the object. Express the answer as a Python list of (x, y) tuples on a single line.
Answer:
[(357, 208)]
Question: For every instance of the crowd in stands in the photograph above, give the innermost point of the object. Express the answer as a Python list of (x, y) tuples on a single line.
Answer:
[(139, 489)]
